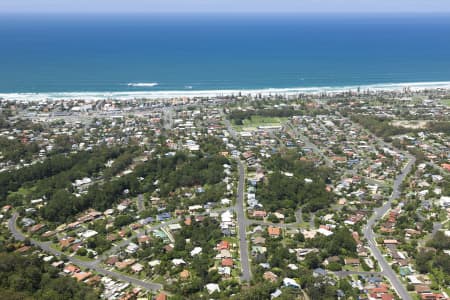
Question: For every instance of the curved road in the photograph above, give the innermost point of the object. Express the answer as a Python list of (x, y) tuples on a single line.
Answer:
[(93, 265), (370, 235), (386, 269), (368, 231)]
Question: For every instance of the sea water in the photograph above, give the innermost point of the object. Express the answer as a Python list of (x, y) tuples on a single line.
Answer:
[(182, 54)]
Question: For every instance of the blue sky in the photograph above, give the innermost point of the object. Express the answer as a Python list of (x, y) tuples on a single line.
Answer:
[(231, 6)]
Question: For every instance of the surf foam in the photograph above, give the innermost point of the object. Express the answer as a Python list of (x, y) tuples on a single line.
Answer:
[(413, 86), (143, 84)]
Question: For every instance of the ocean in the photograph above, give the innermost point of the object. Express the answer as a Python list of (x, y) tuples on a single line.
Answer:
[(139, 54)]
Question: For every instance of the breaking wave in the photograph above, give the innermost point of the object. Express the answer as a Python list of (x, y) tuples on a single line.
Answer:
[(143, 84)]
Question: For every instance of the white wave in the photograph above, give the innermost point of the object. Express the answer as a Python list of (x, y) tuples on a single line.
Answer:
[(413, 86), (143, 84)]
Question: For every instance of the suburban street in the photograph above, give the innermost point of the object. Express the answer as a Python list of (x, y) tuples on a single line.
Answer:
[(386, 270), (370, 235), (242, 220), (242, 225), (168, 117), (125, 242), (140, 203), (298, 217), (308, 144), (361, 273), (230, 128), (240, 213), (94, 265)]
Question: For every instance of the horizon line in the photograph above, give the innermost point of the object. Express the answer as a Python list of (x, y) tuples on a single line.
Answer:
[(343, 13)]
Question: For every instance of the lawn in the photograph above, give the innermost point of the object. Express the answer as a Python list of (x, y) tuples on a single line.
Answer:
[(352, 268), (446, 102), (57, 248), (304, 225), (414, 295), (159, 279), (83, 258)]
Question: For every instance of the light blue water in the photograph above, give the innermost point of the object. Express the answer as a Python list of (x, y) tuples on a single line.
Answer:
[(105, 53)]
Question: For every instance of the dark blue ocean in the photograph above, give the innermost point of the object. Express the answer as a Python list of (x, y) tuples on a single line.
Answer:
[(72, 53)]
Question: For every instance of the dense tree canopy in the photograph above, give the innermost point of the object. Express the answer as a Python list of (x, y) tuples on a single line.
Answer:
[(340, 243), (380, 126), (60, 170), (179, 170), (281, 191), (435, 261), (30, 278), (14, 150)]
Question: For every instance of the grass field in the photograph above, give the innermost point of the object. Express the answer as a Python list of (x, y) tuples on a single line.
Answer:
[(446, 102), (256, 121)]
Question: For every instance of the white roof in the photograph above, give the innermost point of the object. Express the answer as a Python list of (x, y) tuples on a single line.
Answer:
[(137, 267), (154, 263), (83, 181), (88, 233), (325, 232), (195, 207), (212, 287), (175, 226), (132, 247), (226, 216), (290, 282), (413, 279), (178, 261), (276, 294), (224, 270), (225, 201), (196, 251)]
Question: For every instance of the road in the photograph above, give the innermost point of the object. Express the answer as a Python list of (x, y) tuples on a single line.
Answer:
[(439, 168), (242, 220), (298, 217), (168, 118), (312, 219), (140, 203), (368, 231), (379, 213), (230, 129), (242, 225), (122, 244), (93, 265), (296, 134), (240, 213), (348, 273), (281, 146), (370, 235)]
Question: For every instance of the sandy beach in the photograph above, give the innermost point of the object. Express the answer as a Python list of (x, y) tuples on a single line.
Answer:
[(129, 95)]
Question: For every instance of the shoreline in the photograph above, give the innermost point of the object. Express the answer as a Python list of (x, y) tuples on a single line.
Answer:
[(160, 94)]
